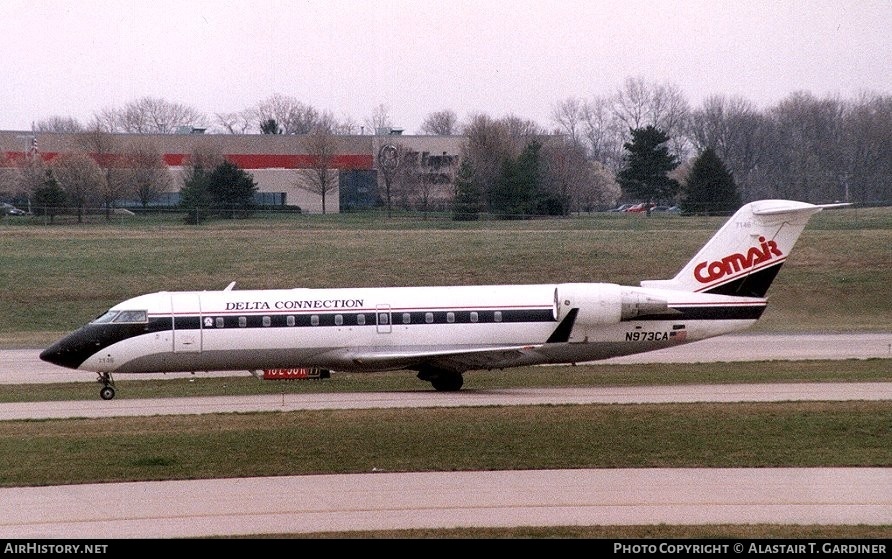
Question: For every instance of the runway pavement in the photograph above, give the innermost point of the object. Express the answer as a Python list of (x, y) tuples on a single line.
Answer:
[(389, 501), (386, 501), (822, 391)]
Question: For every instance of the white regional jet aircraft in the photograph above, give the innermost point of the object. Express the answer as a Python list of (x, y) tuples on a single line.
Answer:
[(441, 332)]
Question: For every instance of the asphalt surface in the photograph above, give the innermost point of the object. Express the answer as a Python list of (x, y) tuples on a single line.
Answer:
[(386, 501), (390, 501)]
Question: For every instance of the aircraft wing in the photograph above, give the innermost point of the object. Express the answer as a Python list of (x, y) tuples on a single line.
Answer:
[(456, 359)]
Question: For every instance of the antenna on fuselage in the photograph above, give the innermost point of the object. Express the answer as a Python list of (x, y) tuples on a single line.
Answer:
[(229, 287)]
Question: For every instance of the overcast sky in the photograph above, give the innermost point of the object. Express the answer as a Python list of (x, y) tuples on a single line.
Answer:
[(499, 57)]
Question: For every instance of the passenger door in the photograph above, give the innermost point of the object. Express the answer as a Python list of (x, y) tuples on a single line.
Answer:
[(186, 311)]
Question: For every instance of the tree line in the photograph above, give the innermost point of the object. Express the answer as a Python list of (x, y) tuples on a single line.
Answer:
[(644, 142)]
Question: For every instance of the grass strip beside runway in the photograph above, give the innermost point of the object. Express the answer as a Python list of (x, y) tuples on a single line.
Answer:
[(749, 435)]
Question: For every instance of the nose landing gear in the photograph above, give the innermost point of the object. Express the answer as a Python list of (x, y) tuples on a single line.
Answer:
[(107, 392)]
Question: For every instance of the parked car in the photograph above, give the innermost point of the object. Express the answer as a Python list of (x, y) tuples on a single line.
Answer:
[(620, 208), (638, 208), (9, 209)]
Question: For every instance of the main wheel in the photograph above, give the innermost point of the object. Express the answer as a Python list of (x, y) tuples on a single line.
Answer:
[(445, 382), (107, 393)]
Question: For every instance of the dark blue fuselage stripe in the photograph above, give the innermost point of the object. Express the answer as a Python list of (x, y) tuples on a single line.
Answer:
[(712, 312), (397, 318)]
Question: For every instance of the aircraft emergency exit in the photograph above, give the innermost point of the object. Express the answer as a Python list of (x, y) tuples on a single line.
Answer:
[(441, 332)]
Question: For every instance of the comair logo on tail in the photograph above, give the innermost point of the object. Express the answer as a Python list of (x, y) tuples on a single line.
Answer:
[(708, 272)]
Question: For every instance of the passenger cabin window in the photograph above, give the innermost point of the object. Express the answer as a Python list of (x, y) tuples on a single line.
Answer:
[(290, 320), (474, 317), (267, 321), (339, 319), (133, 317), (360, 319), (242, 321), (429, 317), (450, 317), (314, 320), (407, 318), (382, 318), (497, 316), (219, 322)]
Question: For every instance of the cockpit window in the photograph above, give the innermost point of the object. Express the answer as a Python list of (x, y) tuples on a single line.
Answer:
[(132, 317), (107, 317)]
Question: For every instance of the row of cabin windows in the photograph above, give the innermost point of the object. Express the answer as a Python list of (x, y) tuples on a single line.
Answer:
[(383, 318)]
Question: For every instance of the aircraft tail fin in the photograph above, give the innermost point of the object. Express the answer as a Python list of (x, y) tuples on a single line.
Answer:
[(745, 255)]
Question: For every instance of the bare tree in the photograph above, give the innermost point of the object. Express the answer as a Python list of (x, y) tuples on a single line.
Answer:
[(631, 103), (241, 122), (407, 176), (30, 173), (293, 116), (735, 130), (489, 144), (80, 177), (380, 119), (346, 126), (149, 115), (604, 133), (322, 146), (388, 161), (569, 115), (807, 148), (440, 123), (61, 124), (566, 171), (868, 149), (206, 156), (521, 130), (639, 104), (144, 172), (10, 177), (104, 149)]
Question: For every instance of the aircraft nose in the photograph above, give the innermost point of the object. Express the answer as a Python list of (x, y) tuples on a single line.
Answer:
[(64, 353), (54, 355)]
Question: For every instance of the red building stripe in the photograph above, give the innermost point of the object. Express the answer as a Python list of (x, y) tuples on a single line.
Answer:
[(244, 161)]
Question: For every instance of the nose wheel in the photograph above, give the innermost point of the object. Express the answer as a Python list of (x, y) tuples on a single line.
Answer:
[(107, 392)]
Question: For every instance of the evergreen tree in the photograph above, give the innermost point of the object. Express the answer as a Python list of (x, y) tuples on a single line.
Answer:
[(270, 126), (648, 162), (232, 190), (518, 189), (195, 196), (49, 197), (468, 201), (710, 186)]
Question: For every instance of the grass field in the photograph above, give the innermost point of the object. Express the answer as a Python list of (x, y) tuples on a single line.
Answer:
[(56, 277)]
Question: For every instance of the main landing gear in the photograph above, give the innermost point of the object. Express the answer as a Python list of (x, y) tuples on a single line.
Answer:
[(443, 380), (107, 392)]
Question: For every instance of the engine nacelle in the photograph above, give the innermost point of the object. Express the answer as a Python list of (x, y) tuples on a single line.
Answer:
[(605, 303)]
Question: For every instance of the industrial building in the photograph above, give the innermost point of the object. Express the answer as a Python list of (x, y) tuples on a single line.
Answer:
[(281, 165)]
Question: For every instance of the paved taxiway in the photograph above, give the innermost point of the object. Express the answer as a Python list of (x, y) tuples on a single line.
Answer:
[(464, 398), (385, 501), (381, 500)]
